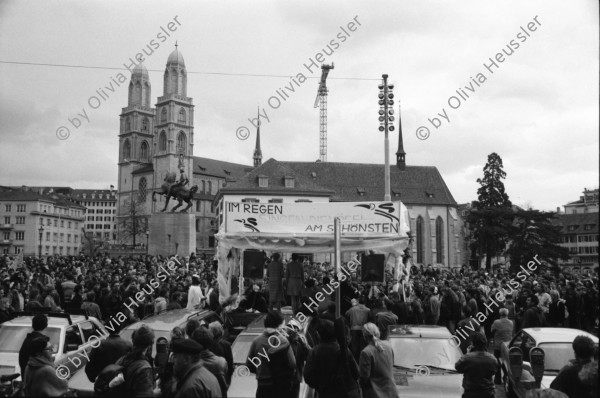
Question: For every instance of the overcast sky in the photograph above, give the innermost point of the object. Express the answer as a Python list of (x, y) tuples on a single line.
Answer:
[(538, 109)]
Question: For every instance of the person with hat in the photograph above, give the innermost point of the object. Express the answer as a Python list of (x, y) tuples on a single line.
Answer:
[(213, 363), (478, 368), (274, 378), (38, 323), (40, 378), (195, 296), (137, 369), (194, 380)]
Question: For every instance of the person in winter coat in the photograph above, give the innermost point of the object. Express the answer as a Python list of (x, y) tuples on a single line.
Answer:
[(193, 379), (294, 277), (214, 364), (222, 347), (275, 275), (90, 307), (41, 379), (533, 316), (556, 311), (322, 361), (38, 323), (274, 377), (567, 380), (108, 352), (376, 366), (138, 371)]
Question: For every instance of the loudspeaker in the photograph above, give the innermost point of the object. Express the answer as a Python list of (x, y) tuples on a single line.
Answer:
[(254, 263), (372, 268)]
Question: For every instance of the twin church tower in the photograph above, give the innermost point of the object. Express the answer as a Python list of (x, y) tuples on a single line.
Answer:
[(153, 140)]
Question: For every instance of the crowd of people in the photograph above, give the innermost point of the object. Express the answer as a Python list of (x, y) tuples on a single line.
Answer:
[(199, 358)]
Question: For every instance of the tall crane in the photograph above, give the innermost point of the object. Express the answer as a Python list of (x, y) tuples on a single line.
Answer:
[(322, 101)]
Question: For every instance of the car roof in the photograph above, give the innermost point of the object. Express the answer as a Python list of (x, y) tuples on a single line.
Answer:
[(421, 331), (166, 321), (557, 335), (258, 324), (53, 321)]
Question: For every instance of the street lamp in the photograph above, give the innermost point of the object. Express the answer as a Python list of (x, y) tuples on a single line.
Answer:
[(386, 113), (41, 230), (147, 238)]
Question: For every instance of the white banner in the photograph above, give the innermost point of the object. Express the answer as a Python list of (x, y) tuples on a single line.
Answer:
[(302, 219)]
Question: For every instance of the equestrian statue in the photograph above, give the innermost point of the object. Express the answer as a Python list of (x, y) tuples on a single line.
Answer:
[(176, 189)]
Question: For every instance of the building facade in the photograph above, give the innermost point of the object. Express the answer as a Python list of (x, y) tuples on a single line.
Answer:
[(31, 223), (435, 224), (579, 232), (587, 203), (100, 216)]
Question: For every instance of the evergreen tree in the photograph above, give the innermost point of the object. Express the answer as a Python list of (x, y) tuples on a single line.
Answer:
[(492, 214), (533, 233)]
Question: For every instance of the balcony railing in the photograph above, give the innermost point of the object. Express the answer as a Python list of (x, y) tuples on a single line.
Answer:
[(6, 226), (4, 242)]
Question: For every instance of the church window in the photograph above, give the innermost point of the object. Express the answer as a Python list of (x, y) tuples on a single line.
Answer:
[(126, 150), (145, 124), (162, 141), (163, 115), (144, 151), (181, 142), (182, 115), (439, 240), (210, 188), (142, 189), (127, 124), (420, 240), (203, 186)]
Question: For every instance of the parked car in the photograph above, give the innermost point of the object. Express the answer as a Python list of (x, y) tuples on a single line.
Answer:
[(163, 323), (72, 337), (558, 350), (243, 382), (424, 358)]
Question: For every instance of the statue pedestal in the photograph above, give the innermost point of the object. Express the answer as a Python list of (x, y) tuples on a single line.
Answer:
[(172, 233)]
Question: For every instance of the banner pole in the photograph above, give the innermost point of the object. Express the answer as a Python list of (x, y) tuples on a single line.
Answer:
[(241, 280), (338, 263)]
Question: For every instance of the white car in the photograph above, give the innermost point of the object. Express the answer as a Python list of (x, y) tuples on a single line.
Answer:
[(424, 358), (243, 382), (73, 337), (557, 344)]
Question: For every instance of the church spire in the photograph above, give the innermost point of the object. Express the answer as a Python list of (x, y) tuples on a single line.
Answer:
[(257, 152), (400, 154)]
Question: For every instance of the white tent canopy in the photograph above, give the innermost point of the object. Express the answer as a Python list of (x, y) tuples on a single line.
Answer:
[(308, 228)]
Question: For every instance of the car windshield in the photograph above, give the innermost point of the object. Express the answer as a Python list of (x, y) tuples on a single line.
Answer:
[(241, 347), (410, 352), (557, 355), (12, 337)]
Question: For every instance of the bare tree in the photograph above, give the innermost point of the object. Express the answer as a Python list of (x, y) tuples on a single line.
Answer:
[(134, 222)]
